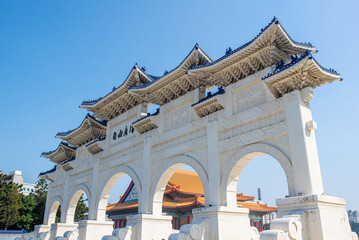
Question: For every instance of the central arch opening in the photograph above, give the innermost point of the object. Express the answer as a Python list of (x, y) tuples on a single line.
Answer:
[(120, 196), (179, 190), (122, 201)]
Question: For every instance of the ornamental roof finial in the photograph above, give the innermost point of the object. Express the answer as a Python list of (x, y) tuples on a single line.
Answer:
[(228, 51)]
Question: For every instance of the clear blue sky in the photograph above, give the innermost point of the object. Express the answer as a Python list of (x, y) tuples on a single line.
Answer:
[(55, 54)]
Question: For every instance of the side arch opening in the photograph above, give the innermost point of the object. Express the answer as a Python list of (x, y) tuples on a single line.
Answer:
[(252, 171), (78, 206), (54, 212)]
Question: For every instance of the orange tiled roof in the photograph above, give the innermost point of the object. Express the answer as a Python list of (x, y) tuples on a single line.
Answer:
[(123, 206), (241, 197), (185, 182), (189, 182), (167, 202), (110, 206), (187, 202), (256, 206)]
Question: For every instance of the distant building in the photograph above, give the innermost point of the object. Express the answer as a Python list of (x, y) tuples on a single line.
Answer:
[(16, 177), (353, 216), (184, 192)]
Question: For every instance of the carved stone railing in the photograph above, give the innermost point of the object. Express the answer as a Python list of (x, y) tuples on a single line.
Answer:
[(286, 228), (189, 232), (68, 235), (121, 234), (34, 236)]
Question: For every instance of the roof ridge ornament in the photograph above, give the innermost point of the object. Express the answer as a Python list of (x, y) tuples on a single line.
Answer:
[(229, 50), (274, 21), (295, 59)]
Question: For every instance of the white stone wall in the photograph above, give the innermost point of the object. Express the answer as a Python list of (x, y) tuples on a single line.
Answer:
[(218, 146)]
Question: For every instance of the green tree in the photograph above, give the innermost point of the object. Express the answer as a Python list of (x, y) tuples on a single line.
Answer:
[(355, 227), (39, 196), (58, 215), (27, 218), (10, 201), (81, 212)]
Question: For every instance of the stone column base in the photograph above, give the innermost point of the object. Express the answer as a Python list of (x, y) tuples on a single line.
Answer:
[(148, 226), (58, 229), (92, 229), (322, 217), (223, 223)]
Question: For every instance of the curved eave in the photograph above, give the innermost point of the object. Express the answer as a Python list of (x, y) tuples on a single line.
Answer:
[(194, 203), (170, 74), (75, 132), (48, 172), (54, 152), (325, 74), (252, 44), (116, 92), (174, 189)]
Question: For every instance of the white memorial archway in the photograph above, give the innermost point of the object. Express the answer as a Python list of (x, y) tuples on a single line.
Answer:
[(262, 106)]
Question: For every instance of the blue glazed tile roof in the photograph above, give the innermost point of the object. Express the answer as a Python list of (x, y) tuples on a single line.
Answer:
[(295, 59), (196, 47), (91, 102), (51, 152), (102, 122), (153, 78), (229, 51), (49, 171), (210, 95)]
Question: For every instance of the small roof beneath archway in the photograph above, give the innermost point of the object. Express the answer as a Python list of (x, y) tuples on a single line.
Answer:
[(61, 154), (89, 130)]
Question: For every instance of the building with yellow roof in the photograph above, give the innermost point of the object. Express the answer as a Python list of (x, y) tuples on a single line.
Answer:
[(184, 192)]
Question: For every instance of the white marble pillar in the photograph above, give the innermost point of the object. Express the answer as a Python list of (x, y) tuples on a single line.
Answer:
[(65, 201), (145, 177), (92, 203), (303, 147), (213, 165)]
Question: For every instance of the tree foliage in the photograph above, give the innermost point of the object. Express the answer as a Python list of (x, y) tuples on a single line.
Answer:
[(81, 210), (10, 202), (24, 212), (355, 227), (27, 217), (39, 196)]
